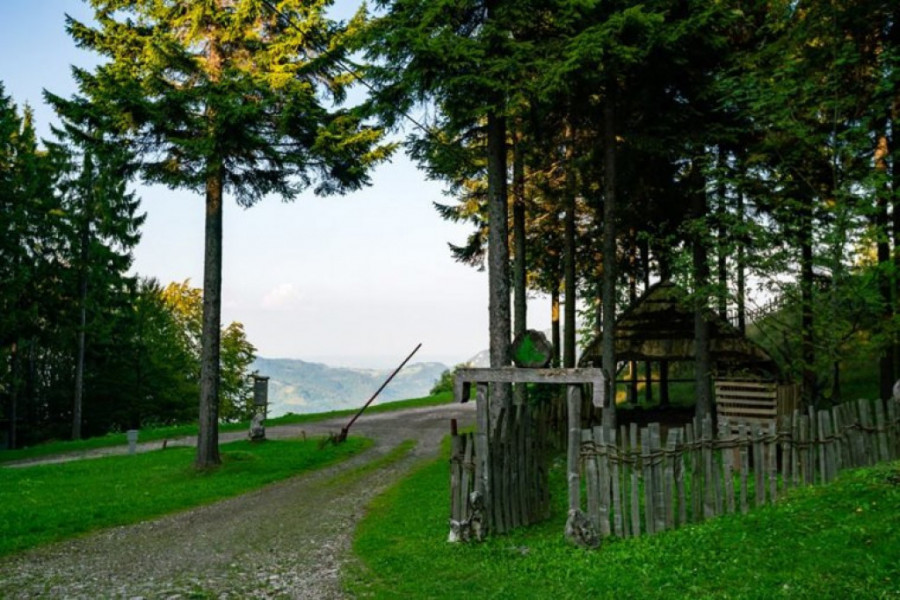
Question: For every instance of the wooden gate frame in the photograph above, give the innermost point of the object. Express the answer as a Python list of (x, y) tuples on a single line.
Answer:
[(573, 379)]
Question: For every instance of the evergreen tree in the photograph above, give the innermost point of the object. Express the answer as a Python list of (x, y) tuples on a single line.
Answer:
[(220, 96)]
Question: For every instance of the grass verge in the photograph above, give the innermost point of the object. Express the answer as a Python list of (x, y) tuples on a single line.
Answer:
[(835, 541), (178, 431), (46, 503)]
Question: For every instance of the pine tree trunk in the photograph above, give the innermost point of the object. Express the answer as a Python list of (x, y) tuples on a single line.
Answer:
[(13, 395), (609, 257), (498, 252), (82, 324), (208, 439), (554, 324), (807, 342), (741, 266), (702, 363), (569, 264), (895, 199), (519, 267), (882, 219), (520, 302), (644, 247), (632, 297), (721, 241)]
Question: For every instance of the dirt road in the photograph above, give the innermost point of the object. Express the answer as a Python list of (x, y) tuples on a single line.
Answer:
[(288, 540)]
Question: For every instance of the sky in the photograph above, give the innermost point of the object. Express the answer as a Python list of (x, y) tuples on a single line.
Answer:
[(355, 280)]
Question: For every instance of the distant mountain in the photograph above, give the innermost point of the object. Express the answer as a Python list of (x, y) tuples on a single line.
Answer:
[(302, 387)]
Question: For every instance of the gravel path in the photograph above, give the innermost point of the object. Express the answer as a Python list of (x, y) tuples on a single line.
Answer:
[(287, 540)]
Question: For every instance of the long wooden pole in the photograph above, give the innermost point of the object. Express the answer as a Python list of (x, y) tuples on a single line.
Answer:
[(343, 435)]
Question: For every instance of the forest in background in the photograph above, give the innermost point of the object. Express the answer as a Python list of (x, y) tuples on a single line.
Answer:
[(86, 347), (747, 150)]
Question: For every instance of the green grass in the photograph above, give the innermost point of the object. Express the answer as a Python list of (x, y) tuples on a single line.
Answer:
[(836, 541), (177, 431), (45, 503)]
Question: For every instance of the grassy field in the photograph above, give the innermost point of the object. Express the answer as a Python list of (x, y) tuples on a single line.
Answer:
[(46, 503), (178, 431), (837, 541)]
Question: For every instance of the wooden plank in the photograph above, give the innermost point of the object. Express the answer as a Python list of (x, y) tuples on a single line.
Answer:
[(824, 432), (795, 450), (496, 463), (814, 446), (647, 478), (772, 458), (592, 485), (706, 440), (573, 403), (457, 449), (635, 493), (468, 473), (838, 439), (614, 461), (745, 465), (554, 376), (784, 435), (603, 475), (865, 422), (669, 487), (893, 433), (656, 470), (759, 465), (511, 462), (482, 452), (726, 437), (881, 431), (679, 480), (803, 446), (696, 479)]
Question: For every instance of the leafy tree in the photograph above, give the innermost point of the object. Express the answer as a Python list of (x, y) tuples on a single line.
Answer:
[(218, 96)]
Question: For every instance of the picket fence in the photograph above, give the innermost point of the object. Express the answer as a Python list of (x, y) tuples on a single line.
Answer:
[(637, 483)]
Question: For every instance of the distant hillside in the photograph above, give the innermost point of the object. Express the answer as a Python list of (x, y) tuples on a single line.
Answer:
[(303, 387)]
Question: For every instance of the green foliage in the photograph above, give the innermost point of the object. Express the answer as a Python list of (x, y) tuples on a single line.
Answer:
[(444, 384), (107, 492), (835, 541)]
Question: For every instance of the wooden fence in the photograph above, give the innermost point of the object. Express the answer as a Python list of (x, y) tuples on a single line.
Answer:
[(516, 473), (498, 475), (636, 482)]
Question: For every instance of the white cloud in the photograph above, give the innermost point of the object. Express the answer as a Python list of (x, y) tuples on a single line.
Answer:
[(282, 296)]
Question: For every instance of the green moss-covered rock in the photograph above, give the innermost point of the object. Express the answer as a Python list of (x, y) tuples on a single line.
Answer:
[(531, 350)]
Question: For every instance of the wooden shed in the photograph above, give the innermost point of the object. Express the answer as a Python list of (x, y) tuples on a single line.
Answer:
[(659, 328)]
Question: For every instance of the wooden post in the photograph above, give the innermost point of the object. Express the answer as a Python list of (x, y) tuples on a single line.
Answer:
[(659, 490), (772, 456), (726, 437), (647, 476), (679, 480), (614, 461), (590, 473), (709, 503), (745, 465), (670, 458), (881, 431), (759, 465), (602, 442), (573, 402), (482, 450), (635, 497), (457, 500)]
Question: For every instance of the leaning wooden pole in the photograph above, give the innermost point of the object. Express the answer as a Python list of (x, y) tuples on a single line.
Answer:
[(346, 428)]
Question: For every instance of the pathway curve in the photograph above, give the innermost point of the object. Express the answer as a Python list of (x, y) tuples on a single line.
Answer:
[(287, 540)]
